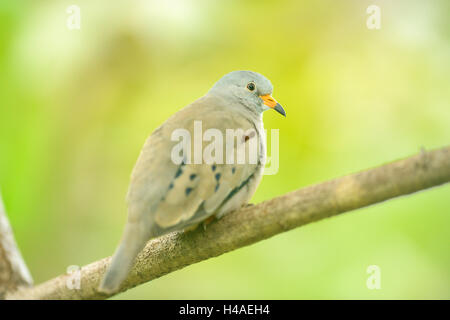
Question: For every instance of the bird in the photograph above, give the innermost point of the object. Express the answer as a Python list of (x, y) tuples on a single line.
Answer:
[(165, 195)]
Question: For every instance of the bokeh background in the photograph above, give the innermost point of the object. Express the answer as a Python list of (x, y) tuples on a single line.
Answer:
[(77, 105)]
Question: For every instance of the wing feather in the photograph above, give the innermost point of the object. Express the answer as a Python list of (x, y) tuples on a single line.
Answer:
[(178, 195)]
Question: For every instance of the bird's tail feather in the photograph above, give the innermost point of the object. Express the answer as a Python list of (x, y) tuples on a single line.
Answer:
[(134, 238)]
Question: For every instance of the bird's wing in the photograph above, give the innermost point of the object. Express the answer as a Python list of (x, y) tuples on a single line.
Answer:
[(174, 196)]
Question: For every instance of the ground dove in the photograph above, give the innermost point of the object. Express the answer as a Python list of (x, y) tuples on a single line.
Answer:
[(205, 161)]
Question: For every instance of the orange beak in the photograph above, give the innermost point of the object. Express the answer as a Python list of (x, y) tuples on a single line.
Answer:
[(272, 103)]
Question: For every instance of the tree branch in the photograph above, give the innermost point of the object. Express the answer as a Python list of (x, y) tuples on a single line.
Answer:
[(255, 223), (13, 271)]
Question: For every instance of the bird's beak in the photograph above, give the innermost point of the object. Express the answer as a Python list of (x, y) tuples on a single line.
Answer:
[(272, 103)]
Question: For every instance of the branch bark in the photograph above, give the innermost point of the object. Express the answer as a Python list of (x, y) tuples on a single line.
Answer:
[(257, 222), (13, 271)]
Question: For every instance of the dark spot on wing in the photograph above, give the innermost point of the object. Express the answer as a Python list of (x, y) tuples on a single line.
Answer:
[(192, 176), (233, 170), (213, 167), (179, 172), (188, 190), (217, 187), (236, 190), (171, 186), (218, 176)]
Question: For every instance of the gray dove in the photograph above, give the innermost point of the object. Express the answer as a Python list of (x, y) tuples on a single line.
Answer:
[(168, 194)]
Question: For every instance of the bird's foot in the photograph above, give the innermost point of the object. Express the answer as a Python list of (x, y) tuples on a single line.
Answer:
[(207, 221), (191, 228)]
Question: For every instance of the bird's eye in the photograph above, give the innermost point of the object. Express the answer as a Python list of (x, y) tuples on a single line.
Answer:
[(251, 86)]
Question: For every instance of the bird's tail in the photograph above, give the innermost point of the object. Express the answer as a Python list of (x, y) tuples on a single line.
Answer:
[(134, 238)]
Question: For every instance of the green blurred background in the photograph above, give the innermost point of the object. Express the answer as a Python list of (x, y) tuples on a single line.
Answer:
[(77, 105)]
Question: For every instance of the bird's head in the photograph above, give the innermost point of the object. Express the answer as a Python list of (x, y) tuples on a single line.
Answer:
[(251, 89)]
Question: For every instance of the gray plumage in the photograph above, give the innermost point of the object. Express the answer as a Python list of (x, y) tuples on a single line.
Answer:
[(164, 196)]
